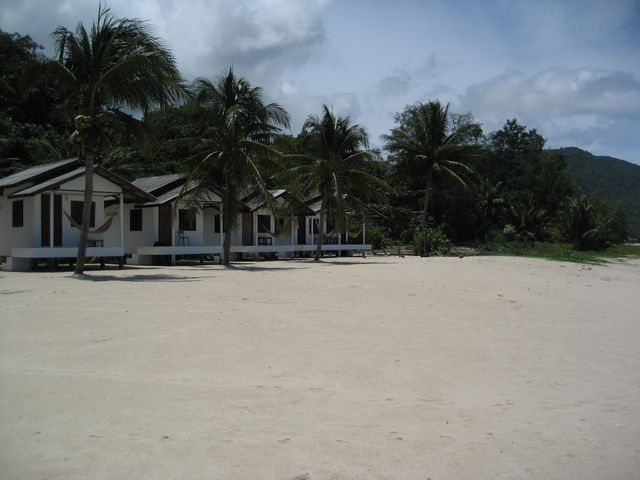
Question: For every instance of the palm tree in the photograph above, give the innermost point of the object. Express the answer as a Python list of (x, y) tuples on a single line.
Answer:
[(586, 224), (118, 63), (337, 155), (425, 148), (237, 137)]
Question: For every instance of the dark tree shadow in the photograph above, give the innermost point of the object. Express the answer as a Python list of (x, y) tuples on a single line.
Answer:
[(158, 277)]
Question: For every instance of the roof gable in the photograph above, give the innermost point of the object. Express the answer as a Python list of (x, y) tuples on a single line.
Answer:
[(52, 175), (39, 173)]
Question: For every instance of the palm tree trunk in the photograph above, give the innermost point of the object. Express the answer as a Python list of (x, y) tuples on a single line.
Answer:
[(321, 227), (226, 248), (425, 207), (86, 213), (226, 215)]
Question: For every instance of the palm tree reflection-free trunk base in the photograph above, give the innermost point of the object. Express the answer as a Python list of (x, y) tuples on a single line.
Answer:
[(321, 227), (425, 207), (86, 215)]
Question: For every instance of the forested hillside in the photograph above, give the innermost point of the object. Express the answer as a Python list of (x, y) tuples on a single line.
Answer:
[(612, 179)]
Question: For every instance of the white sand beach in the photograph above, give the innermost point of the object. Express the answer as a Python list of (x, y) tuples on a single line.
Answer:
[(376, 368)]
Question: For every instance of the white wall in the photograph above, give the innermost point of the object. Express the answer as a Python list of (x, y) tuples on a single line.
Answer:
[(236, 234), (196, 237), (132, 239), (73, 190), (100, 185), (284, 237), (70, 234), (11, 237), (210, 237)]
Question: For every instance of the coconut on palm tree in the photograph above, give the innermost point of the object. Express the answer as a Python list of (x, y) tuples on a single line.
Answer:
[(426, 148), (239, 129), (117, 63), (336, 157)]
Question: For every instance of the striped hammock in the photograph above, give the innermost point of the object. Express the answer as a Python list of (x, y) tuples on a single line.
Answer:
[(101, 229)]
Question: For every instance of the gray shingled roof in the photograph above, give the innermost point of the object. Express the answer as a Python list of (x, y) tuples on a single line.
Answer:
[(256, 201), (315, 205), (52, 175), (168, 195), (151, 184), (166, 188), (48, 184), (34, 172)]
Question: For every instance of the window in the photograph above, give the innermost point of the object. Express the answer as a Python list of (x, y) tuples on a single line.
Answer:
[(18, 213), (216, 224), (76, 212), (135, 220), (187, 219), (264, 223)]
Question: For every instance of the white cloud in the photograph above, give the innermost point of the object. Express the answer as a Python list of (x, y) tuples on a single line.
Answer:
[(572, 69), (258, 37), (563, 104), (405, 79)]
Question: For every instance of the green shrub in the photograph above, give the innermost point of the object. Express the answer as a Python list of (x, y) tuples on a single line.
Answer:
[(586, 225), (378, 236), (432, 241)]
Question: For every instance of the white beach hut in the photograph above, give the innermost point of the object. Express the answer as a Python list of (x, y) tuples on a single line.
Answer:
[(41, 208)]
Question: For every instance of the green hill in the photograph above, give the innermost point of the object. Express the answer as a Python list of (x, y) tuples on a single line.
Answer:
[(612, 179)]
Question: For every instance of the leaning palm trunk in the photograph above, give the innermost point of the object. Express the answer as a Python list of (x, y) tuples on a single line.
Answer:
[(321, 227), (86, 214)]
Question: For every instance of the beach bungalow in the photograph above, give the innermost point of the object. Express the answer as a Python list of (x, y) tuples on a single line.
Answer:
[(309, 228), (144, 220), (172, 226), (169, 225), (41, 210)]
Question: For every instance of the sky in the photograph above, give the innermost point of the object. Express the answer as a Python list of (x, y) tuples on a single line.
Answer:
[(570, 69)]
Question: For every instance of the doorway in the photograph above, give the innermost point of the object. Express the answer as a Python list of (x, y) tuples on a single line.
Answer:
[(45, 220), (164, 225), (302, 230), (247, 228)]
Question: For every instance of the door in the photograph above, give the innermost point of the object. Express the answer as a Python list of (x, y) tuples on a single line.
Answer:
[(302, 230), (164, 225), (45, 220), (247, 228)]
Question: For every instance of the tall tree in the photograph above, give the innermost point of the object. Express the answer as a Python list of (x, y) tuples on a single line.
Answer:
[(337, 153), (238, 136), (535, 182), (32, 120), (117, 63), (425, 147)]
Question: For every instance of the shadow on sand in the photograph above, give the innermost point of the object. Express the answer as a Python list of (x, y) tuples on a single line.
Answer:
[(328, 262), (256, 268), (153, 277)]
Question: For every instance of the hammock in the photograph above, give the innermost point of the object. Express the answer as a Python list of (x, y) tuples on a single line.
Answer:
[(101, 229), (355, 235)]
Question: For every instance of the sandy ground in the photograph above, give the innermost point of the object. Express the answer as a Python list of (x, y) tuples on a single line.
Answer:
[(377, 368)]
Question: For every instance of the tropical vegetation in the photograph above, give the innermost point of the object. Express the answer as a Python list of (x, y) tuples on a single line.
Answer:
[(334, 168), (443, 182), (236, 140), (115, 64)]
